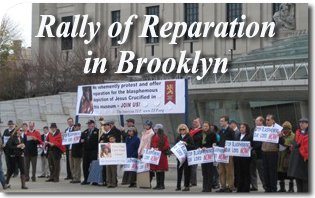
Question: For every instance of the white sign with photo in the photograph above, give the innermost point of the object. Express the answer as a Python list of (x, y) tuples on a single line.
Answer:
[(112, 153), (132, 98)]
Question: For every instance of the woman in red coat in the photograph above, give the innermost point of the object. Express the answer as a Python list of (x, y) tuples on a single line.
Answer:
[(160, 142)]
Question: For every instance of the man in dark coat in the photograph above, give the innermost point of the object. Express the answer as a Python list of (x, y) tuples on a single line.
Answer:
[(76, 158), (89, 139), (69, 148)]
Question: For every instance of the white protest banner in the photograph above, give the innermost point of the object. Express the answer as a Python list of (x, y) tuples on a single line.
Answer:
[(131, 165), (237, 148), (5, 139), (71, 137), (200, 156), (151, 156), (142, 167), (132, 98), (180, 151), (267, 134), (112, 153), (219, 155)]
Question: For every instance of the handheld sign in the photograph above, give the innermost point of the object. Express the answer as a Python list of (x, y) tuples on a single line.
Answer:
[(219, 155), (131, 165), (180, 152), (151, 156), (267, 134), (112, 153), (142, 167), (200, 156), (71, 137), (238, 148)]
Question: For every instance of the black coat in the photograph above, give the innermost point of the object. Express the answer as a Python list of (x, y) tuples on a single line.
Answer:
[(188, 139), (77, 150), (6, 132), (256, 150), (225, 134), (117, 134), (90, 143), (12, 144), (298, 168), (210, 139), (43, 140), (198, 139)]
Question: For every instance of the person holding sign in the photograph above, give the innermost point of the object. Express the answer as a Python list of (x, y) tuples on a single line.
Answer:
[(160, 142), (270, 157), (43, 154), (76, 158), (16, 146), (208, 140), (226, 170), (243, 163), (2, 179), (111, 170), (132, 144), (185, 138)]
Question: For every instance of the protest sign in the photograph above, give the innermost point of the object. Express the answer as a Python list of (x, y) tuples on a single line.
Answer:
[(219, 155), (180, 152), (71, 137), (5, 139), (132, 98), (200, 156), (151, 156), (112, 153), (131, 165), (237, 148), (267, 134), (142, 167)]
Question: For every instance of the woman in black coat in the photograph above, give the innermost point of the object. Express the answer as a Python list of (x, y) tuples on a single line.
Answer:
[(208, 139), (16, 145), (243, 163)]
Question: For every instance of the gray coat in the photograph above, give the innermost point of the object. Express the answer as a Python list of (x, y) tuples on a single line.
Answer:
[(298, 168)]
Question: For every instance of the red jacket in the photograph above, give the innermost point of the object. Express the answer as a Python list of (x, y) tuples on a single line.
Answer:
[(35, 134), (163, 163), (56, 140), (302, 140)]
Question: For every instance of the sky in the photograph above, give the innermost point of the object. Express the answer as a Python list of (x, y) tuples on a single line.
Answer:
[(21, 14)]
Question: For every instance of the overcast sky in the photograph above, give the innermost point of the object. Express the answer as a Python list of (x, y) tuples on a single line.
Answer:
[(21, 14)]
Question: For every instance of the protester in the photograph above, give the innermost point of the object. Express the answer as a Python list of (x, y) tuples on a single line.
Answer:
[(130, 122), (196, 134), (89, 140), (270, 157), (115, 130), (105, 139), (208, 140), (34, 139), (243, 163), (2, 179), (76, 158), (68, 149), (256, 159), (160, 142), (226, 170), (284, 157), (236, 132), (6, 134), (132, 144), (55, 150), (15, 148), (298, 167), (145, 142), (44, 154), (215, 171), (111, 170), (185, 138)]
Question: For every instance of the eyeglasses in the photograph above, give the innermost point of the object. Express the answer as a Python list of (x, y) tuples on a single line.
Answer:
[(182, 129)]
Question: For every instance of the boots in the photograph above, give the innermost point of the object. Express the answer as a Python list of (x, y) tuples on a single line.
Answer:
[(291, 186), (23, 180), (158, 181), (282, 186), (162, 180)]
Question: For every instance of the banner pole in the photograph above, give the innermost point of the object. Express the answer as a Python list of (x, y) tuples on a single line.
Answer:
[(186, 102), (122, 123)]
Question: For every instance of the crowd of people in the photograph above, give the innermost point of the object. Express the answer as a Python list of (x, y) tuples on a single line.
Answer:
[(274, 162)]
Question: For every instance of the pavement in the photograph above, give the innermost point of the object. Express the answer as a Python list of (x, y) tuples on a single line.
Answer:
[(40, 186)]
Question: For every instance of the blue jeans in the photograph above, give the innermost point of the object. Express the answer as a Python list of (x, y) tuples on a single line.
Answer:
[(2, 179)]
